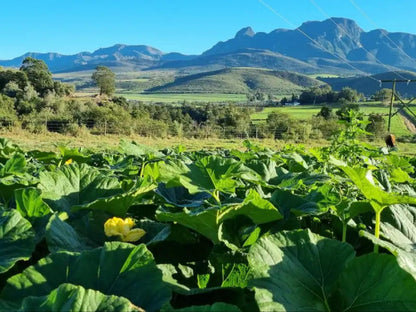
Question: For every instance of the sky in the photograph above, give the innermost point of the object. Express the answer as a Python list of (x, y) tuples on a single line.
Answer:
[(185, 26)]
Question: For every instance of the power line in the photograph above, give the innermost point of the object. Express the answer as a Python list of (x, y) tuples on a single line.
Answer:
[(316, 42), (393, 69), (382, 32)]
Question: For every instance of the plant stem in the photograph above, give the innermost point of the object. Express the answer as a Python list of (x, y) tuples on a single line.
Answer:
[(216, 195), (377, 229), (325, 300), (142, 169), (344, 232)]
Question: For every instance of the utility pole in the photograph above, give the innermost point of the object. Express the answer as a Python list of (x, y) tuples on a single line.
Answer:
[(394, 96), (393, 90)]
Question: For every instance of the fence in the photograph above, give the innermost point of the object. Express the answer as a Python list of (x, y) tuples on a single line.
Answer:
[(297, 132)]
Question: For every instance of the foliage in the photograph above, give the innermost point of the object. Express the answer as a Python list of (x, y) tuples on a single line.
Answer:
[(326, 113), (383, 95), (278, 123), (104, 78), (250, 230), (376, 125), (38, 74)]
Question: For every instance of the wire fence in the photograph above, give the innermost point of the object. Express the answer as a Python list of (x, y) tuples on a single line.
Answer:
[(257, 130)]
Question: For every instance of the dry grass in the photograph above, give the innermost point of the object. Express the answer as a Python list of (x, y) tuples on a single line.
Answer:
[(49, 141)]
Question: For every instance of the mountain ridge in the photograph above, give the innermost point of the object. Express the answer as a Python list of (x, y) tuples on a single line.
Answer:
[(315, 46)]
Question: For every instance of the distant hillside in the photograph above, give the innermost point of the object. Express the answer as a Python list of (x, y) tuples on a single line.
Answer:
[(247, 58), (239, 80), (369, 86)]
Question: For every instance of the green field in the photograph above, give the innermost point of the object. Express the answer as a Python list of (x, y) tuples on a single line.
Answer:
[(297, 112), (191, 97), (304, 112)]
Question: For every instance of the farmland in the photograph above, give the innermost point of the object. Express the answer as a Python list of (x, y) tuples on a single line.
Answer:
[(133, 227), (186, 212), (184, 97), (305, 112)]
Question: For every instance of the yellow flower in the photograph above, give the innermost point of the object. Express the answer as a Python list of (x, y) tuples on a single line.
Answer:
[(69, 161), (123, 228)]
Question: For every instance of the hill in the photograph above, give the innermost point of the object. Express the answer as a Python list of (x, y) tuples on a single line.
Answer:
[(239, 80), (369, 86)]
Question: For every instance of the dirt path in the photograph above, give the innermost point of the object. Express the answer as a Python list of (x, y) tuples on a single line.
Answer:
[(409, 124)]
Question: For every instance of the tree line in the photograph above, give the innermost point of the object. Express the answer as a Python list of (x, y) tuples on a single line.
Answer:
[(32, 100)]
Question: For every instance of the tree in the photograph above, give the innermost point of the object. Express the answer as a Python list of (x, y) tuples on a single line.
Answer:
[(383, 95), (377, 125), (345, 112), (326, 113), (16, 76), (278, 123), (317, 95), (348, 95), (38, 74), (104, 78)]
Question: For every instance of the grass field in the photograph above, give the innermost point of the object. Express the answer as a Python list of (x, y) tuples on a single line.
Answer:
[(304, 112), (297, 112), (191, 97)]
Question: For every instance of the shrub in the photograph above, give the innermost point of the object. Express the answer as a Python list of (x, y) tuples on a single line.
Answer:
[(376, 126)]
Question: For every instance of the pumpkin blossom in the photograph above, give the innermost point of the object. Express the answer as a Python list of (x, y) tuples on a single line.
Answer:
[(69, 161), (123, 228)]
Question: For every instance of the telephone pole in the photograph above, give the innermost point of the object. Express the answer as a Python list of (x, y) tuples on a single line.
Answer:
[(403, 105)]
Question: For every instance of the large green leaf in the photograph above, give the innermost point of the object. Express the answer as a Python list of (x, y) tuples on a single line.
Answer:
[(201, 220), (116, 269), (68, 297), (238, 232), (8, 148), (398, 230), (208, 174), (256, 208), (75, 154), (15, 165), (265, 168), (76, 185), (136, 149), (216, 307), (14, 175), (61, 236), (118, 204), (17, 239), (399, 226), (375, 282), (296, 271), (378, 198), (30, 204), (180, 196), (405, 258), (288, 202)]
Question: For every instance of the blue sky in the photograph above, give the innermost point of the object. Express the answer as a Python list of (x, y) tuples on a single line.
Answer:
[(186, 26)]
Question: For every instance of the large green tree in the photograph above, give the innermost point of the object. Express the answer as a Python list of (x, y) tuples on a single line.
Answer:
[(348, 95), (38, 74), (104, 78)]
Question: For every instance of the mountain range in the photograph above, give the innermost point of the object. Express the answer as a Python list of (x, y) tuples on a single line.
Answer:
[(335, 45)]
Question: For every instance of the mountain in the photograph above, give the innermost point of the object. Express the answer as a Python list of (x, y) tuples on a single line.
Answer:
[(134, 57), (335, 45), (239, 80), (330, 44)]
